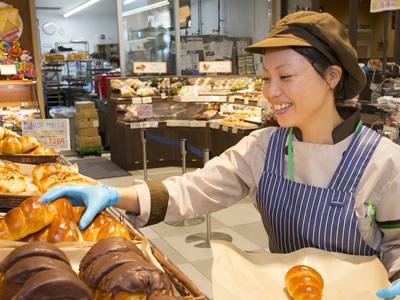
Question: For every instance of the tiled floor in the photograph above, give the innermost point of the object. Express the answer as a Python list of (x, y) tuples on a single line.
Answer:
[(241, 221)]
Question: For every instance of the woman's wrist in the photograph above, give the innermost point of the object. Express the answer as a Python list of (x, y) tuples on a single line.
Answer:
[(128, 200)]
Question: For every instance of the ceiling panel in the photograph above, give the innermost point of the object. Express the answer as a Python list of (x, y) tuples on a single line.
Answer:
[(103, 7)]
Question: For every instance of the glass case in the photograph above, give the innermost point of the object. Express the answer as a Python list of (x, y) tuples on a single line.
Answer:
[(148, 28)]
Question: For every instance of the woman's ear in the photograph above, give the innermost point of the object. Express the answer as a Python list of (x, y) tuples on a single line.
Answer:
[(333, 74)]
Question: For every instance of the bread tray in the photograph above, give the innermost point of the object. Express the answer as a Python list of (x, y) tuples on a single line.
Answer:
[(30, 159)]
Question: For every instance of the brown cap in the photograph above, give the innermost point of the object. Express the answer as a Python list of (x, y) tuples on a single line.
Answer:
[(324, 33)]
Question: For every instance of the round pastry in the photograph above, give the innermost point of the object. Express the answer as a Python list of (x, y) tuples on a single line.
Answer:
[(10, 145), (303, 282), (28, 143), (12, 181), (42, 150), (54, 284), (30, 250), (107, 245)]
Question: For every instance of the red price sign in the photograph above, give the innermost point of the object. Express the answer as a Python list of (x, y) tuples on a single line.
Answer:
[(56, 141)]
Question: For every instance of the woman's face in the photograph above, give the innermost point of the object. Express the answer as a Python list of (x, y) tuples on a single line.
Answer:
[(293, 87)]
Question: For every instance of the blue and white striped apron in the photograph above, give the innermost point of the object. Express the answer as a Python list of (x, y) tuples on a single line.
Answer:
[(297, 215)]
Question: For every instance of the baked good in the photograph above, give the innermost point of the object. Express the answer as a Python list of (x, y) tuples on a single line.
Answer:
[(32, 249), (61, 178), (41, 170), (104, 226), (12, 181), (29, 217), (10, 145), (108, 245), (9, 165), (28, 143), (115, 269), (42, 150), (304, 282), (43, 285)]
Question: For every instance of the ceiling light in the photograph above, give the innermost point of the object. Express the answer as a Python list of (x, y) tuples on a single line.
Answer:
[(128, 1), (145, 8), (79, 8)]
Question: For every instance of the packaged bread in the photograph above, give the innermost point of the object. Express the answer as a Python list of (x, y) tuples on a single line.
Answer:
[(304, 282)]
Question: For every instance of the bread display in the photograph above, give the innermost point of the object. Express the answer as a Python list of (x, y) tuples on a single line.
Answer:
[(40, 271), (121, 274), (303, 282)]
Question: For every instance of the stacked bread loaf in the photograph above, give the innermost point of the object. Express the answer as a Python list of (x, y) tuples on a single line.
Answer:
[(40, 271), (304, 282), (114, 268), (12, 143), (55, 222)]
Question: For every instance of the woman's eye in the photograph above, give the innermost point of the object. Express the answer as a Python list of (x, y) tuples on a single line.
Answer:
[(285, 77), (266, 79)]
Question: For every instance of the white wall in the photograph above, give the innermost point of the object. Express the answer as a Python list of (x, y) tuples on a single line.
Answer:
[(78, 28)]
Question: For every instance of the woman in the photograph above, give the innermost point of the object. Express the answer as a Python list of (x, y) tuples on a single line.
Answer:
[(320, 180)]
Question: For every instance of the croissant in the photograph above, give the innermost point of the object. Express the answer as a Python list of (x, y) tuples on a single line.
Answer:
[(29, 217), (10, 145), (42, 150), (28, 143), (42, 170), (304, 282)]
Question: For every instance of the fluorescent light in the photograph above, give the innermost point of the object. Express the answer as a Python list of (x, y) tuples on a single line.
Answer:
[(145, 8), (79, 8), (128, 1)]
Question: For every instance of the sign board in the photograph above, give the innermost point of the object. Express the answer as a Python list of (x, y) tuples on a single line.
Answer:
[(215, 66), (384, 5), (144, 111), (149, 67), (53, 133)]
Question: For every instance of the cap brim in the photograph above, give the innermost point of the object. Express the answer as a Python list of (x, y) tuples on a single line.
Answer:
[(277, 41)]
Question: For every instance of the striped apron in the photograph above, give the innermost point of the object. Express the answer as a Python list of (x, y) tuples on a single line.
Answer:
[(297, 215)]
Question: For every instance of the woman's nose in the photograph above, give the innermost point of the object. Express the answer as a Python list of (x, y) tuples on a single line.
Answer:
[(272, 89)]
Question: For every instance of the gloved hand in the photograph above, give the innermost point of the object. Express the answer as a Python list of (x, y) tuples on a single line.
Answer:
[(94, 197), (391, 291)]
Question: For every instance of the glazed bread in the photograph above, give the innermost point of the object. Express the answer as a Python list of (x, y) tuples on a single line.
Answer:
[(42, 150), (12, 181), (29, 217), (104, 226), (28, 143), (42, 170), (303, 283), (114, 268), (61, 178), (10, 145)]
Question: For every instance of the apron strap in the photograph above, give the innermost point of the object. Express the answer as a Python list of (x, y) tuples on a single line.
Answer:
[(275, 155), (355, 159)]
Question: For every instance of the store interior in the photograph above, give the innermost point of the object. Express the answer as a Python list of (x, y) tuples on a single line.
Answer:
[(125, 90)]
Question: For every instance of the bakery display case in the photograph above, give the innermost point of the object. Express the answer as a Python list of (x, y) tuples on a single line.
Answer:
[(209, 112)]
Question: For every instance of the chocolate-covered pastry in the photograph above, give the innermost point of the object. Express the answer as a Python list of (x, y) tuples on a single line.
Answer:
[(107, 245), (105, 264), (25, 268), (53, 285), (32, 249), (135, 278)]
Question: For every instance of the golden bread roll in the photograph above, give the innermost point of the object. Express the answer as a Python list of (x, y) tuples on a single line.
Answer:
[(63, 207), (12, 181), (61, 178), (77, 212), (42, 170), (42, 150), (304, 283), (10, 145), (63, 230), (105, 226), (29, 217), (7, 132), (28, 143)]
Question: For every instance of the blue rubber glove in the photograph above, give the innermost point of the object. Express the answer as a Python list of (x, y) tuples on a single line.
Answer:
[(391, 291), (95, 198)]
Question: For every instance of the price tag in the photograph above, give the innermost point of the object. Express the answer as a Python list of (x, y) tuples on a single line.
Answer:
[(231, 99), (8, 69), (234, 130), (135, 125), (147, 100), (225, 128), (198, 123), (53, 133), (149, 67), (246, 101), (136, 100), (215, 125), (144, 111), (150, 124), (215, 66)]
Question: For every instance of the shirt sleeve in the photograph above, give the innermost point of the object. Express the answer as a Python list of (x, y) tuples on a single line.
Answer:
[(223, 181)]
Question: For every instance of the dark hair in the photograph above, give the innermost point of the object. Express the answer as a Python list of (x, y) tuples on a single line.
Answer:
[(321, 63)]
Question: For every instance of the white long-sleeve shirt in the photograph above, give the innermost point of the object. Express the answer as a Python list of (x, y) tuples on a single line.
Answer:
[(236, 173)]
